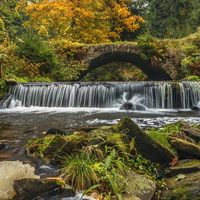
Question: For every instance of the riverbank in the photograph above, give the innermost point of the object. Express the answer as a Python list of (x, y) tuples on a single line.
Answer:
[(178, 167)]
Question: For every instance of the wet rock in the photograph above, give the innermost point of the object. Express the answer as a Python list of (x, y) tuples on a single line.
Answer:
[(144, 144), (185, 146), (30, 188), (182, 135), (126, 106), (195, 108), (131, 106), (11, 81), (2, 146), (184, 167), (5, 101), (185, 185), (53, 148), (54, 131), (140, 186), (86, 129), (11, 171), (190, 131), (139, 107)]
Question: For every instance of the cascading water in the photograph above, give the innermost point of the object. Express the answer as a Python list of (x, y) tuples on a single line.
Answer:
[(159, 95)]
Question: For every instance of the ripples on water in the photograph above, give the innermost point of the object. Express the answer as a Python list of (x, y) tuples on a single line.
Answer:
[(19, 124)]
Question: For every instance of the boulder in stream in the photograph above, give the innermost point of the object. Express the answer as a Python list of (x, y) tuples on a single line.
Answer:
[(195, 108), (144, 144), (11, 171), (29, 188), (130, 106)]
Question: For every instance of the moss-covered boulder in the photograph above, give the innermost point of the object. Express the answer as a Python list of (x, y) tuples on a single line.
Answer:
[(139, 186), (184, 185), (184, 146), (190, 131), (144, 144), (55, 147), (183, 167)]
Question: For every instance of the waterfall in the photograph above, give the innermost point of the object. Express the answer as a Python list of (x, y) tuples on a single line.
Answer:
[(158, 95)]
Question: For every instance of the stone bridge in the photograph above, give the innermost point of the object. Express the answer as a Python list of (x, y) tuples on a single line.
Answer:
[(99, 55)]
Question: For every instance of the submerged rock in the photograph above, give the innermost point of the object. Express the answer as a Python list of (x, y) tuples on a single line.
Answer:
[(131, 106)]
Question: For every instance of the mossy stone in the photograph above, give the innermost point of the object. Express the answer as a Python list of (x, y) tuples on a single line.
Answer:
[(144, 144)]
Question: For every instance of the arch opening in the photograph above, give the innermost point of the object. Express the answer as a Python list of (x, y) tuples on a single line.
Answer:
[(116, 71), (152, 72)]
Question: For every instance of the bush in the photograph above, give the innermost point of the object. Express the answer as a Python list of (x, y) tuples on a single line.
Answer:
[(34, 49)]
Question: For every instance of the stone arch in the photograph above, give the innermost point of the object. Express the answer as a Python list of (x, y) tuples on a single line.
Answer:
[(100, 55)]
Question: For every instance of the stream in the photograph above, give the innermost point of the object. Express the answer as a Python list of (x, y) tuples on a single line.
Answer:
[(32, 109)]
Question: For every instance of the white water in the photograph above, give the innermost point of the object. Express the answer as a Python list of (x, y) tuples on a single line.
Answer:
[(158, 95)]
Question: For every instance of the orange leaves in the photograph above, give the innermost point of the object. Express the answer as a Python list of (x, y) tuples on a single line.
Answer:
[(174, 161), (88, 21)]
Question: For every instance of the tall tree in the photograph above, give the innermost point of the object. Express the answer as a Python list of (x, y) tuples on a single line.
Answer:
[(88, 21), (171, 18), (35, 50)]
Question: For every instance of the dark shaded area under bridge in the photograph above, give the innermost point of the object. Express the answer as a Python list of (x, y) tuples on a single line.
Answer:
[(98, 55)]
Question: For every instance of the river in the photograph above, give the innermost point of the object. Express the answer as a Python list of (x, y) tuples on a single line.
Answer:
[(29, 113), (19, 124)]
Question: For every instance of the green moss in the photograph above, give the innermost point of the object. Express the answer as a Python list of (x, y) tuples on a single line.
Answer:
[(181, 192), (36, 146), (193, 162), (160, 135)]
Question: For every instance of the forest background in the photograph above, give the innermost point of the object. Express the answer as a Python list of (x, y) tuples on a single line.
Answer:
[(38, 38)]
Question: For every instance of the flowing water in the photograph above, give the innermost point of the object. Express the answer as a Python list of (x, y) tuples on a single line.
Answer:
[(33, 108)]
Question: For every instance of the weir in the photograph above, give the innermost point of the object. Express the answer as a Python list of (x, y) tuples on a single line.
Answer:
[(158, 95)]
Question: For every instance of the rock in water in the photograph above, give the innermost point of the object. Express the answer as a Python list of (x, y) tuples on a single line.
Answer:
[(29, 188), (126, 106), (144, 144), (11, 171), (139, 107), (195, 108), (131, 106)]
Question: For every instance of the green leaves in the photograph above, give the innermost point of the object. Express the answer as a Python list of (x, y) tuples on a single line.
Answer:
[(35, 50)]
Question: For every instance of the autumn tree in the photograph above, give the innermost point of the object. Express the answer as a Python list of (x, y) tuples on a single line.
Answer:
[(88, 21), (139, 8)]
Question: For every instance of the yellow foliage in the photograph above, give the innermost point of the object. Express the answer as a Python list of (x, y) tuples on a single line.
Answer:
[(88, 21)]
